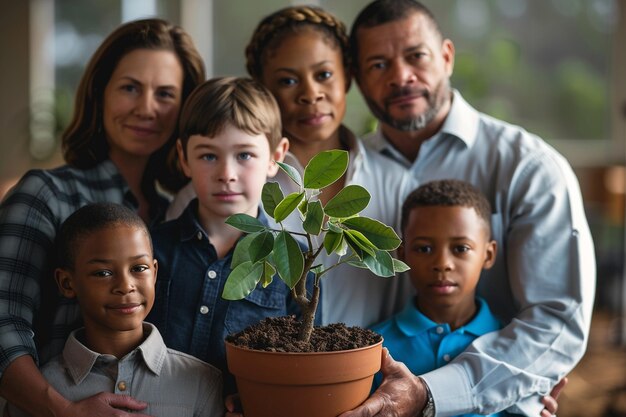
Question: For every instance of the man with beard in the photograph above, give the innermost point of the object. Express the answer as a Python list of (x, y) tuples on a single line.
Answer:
[(543, 282)]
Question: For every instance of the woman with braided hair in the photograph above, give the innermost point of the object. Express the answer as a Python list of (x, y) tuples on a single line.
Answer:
[(301, 54)]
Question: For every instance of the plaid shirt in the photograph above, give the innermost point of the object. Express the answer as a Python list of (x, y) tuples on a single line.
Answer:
[(34, 318)]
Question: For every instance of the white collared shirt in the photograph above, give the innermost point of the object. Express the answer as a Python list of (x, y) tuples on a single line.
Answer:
[(543, 282), (173, 383)]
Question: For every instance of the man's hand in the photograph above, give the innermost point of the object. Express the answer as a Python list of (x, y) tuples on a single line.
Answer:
[(549, 401), (233, 406), (401, 394), (105, 404)]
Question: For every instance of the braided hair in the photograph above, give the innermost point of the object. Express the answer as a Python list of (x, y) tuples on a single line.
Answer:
[(288, 21)]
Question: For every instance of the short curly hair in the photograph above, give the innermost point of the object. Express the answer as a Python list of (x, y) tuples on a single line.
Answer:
[(88, 220), (379, 12), (447, 193)]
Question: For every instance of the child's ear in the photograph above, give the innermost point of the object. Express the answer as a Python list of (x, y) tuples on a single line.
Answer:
[(65, 283), (278, 156), (182, 160), (156, 269), (490, 254)]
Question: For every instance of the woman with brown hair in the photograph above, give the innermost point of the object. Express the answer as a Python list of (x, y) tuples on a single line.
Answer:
[(116, 149)]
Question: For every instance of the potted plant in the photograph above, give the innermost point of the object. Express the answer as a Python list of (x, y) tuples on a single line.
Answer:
[(265, 252)]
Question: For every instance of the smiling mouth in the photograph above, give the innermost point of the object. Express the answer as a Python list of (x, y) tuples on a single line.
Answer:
[(127, 308), (142, 131)]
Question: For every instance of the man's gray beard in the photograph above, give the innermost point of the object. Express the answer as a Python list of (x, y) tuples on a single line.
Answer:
[(435, 103), (414, 124)]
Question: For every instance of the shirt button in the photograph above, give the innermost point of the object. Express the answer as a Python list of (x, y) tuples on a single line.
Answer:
[(439, 330), (446, 357), (121, 386), (199, 236), (204, 310), (212, 274)]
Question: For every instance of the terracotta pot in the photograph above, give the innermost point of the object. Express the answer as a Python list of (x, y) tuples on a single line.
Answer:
[(324, 384)]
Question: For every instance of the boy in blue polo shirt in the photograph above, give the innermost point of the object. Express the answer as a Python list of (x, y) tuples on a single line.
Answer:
[(230, 140), (447, 243)]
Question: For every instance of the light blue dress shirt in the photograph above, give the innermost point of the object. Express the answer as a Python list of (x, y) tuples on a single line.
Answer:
[(543, 282)]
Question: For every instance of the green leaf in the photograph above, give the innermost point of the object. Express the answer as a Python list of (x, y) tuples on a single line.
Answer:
[(242, 250), (314, 218), (287, 206), (245, 223), (288, 259), (303, 206), (382, 236), (348, 202), (325, 168), (291, 172), (261, 246), (268, 274), (380, 264), (358, 264), (399, 266), (271, 196), (359, 243), (242, 280), (334, 227), (332, 241)]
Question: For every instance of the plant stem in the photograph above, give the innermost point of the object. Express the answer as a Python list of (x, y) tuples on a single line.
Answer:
[(308, 306), (308, 316)]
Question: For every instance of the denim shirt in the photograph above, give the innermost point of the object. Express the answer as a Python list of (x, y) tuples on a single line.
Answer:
[(189, 310)]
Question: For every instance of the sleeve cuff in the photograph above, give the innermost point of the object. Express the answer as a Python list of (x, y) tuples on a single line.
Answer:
[(450, 389)]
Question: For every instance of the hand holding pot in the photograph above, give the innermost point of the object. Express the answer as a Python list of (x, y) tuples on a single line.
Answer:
[(401, 394)]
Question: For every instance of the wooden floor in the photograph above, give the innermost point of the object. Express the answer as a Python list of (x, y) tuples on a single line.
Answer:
[(597, 386)]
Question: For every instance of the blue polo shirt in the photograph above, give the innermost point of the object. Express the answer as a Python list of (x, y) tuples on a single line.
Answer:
[(424, 345), (189, 310)]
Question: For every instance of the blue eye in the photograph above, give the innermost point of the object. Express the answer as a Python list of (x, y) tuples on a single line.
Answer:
[(208, 157), (245, 156)]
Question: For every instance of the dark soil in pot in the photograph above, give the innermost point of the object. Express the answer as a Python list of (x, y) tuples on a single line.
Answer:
[(279, 334)]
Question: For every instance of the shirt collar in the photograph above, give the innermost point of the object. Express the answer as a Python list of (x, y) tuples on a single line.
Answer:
[(462, 122), (412, 322), (80, 360), (190, 227)]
